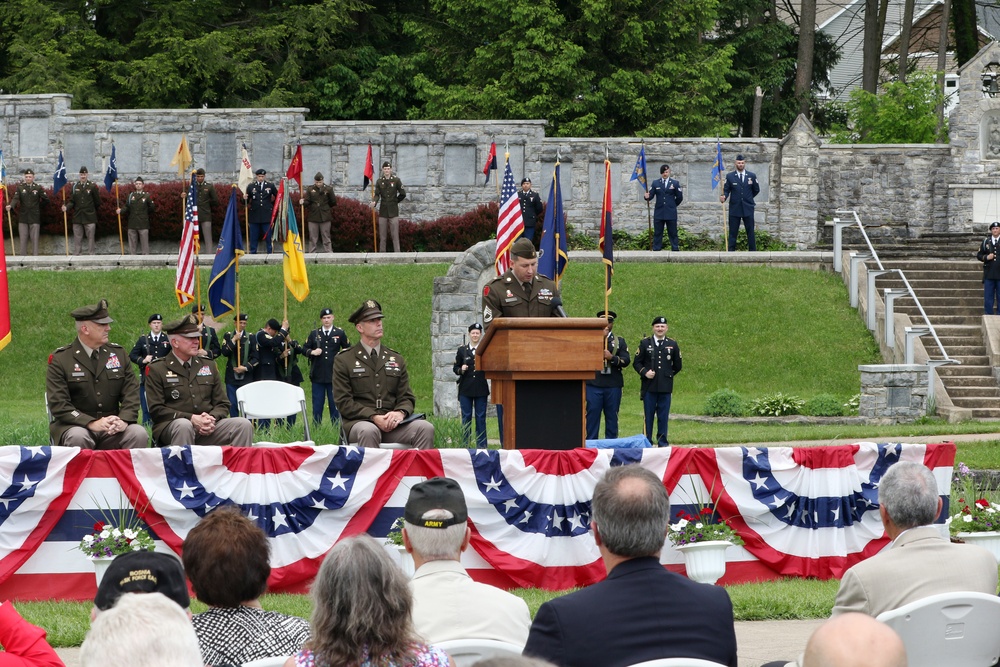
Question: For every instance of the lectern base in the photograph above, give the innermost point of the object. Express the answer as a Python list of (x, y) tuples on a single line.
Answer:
[(549, 414)]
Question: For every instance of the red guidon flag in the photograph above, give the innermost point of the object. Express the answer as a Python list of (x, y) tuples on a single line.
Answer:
[(4, 294), (294, 172)]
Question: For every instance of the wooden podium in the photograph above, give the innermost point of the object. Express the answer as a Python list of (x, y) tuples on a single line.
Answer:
[(538, 367)]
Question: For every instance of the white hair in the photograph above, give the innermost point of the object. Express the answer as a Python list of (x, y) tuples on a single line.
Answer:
[(436, 543), (142, 628)]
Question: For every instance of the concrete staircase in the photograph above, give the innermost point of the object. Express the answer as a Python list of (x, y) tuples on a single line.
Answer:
[(951, 293)]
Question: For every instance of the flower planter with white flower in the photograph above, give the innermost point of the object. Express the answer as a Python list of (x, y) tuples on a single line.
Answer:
[(703, 541), (705, 562), (120, 532), (978, 519)]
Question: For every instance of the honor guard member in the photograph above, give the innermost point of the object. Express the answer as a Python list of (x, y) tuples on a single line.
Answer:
[(604, 392), (186, 399), (388, 193), (520, 292), (667, 194), (473, 389), (319, 200), (84, 199), (657, 361), (150, 346), (372, 389), (991, 269), (205, 197), (208, 343), (28, 198), (322, 345), (531, 208), (261, 194), (743, 186), (138, 207), (92, 393), (270, 344), (240, 349)]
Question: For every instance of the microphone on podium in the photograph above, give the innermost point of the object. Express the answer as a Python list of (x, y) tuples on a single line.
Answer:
[(558, 306)]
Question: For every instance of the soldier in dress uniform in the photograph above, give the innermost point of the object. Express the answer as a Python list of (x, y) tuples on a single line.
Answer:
[(270, 344), (153, 345), (604, 392), (319, 199), (473, 389), (85, 199), (667, 194), (520, 291), (322, 345), (138, 207), (205, 197), (240, 349), (261, 195), (657, 361), (373, 391), (28, 198), (208, 343), (740, 188), (388, 192), (92, 392), (531, 208), (186, 399)]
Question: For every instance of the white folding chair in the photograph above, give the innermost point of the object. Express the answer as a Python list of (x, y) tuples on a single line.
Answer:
[(270, 399), (954, 629), (678, 662), (267, 662), (467, 652)]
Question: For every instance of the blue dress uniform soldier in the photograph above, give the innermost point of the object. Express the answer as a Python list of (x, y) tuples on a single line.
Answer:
[(205, 197), (92, 392), (85, 199), (657, 361), (743, 186), (150, 346), (473, 390), (240, 350), (186, 399), (322, 345), (372, 388), (208, 342), (261, 194), (531, 208), (28, 198), (139, 207), (991, 269), (668, 196), (604, 392), (319, 201)]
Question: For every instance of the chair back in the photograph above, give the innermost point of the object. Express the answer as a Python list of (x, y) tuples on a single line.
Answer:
[(467, 652), (270, 399), (954, 629), (277, 661), (678, 662)]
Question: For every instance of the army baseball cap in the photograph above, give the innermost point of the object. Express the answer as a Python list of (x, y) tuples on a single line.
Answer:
[(369, 310), (97, 313), (439, 493), (524, 249), (143, 572), (187, 327)]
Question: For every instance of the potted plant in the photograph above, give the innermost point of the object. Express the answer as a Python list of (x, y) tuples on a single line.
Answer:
[(702, 538), (115, 532), (977, 520)]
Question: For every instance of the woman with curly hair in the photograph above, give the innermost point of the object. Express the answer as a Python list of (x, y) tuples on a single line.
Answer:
[(361, 613)]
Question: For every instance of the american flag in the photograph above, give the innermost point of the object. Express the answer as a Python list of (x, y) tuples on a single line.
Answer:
[(189, 240), (510, 224)]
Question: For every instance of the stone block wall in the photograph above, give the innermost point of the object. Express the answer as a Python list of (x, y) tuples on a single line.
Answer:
[(896, 392)]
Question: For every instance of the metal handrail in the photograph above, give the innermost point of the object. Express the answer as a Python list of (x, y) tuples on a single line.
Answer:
[(906, 282)]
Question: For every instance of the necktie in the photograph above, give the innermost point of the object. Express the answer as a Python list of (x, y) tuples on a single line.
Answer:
[(93, 356), (741, 177), (526, 287), (187, 364)]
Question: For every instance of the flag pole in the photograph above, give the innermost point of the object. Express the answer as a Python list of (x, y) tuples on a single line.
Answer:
[(722, 203), (118, 208), (302, 209), (374, 223), (649, 211), (10, 224), (237, 270), (62, 190)]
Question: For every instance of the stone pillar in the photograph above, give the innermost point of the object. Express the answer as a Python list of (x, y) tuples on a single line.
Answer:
[(798, 181), (896, 392)]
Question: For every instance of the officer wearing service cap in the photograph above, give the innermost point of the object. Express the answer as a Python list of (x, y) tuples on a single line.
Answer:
[(28, 198), (740, 188), (186, 398), (520, 291), (319, 200), (991, 269), (150, 346), (321, 348), (92, 392), (206, 197), (372, 388), (657, 361), (604, 392), (139, 207), (261, 194), (388, 192), (85, 199)]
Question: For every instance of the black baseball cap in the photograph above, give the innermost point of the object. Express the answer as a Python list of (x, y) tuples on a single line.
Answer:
[(143, 572), (439, 493)]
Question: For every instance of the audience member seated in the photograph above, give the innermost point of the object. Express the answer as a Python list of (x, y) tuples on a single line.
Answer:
[(854, 640), (919, 562), (24, 644), (142, 572), (447, 603), (362, 613), (226, 558), (147, 629), (641, 611)]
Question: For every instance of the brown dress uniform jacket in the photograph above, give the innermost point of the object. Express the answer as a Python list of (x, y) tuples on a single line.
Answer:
[(28, 200), (138, 207), (84, 201), (206, 199), (364, 387), (505, 297), (319, 200), (80, 390), (174, 392), (389, 191)]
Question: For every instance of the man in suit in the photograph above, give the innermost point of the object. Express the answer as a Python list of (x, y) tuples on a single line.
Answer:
[(29, 198), (987, 254), (447, 603), (150, 346), (919, 562), (321, 347), (604, 392), (372, 388), (740, 188), (644, 611), (319, 202), (85, 199), (531, 208), (667, 194), (240, 350), (261, 194), (186, 398), (92, 392), (657, 361)]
